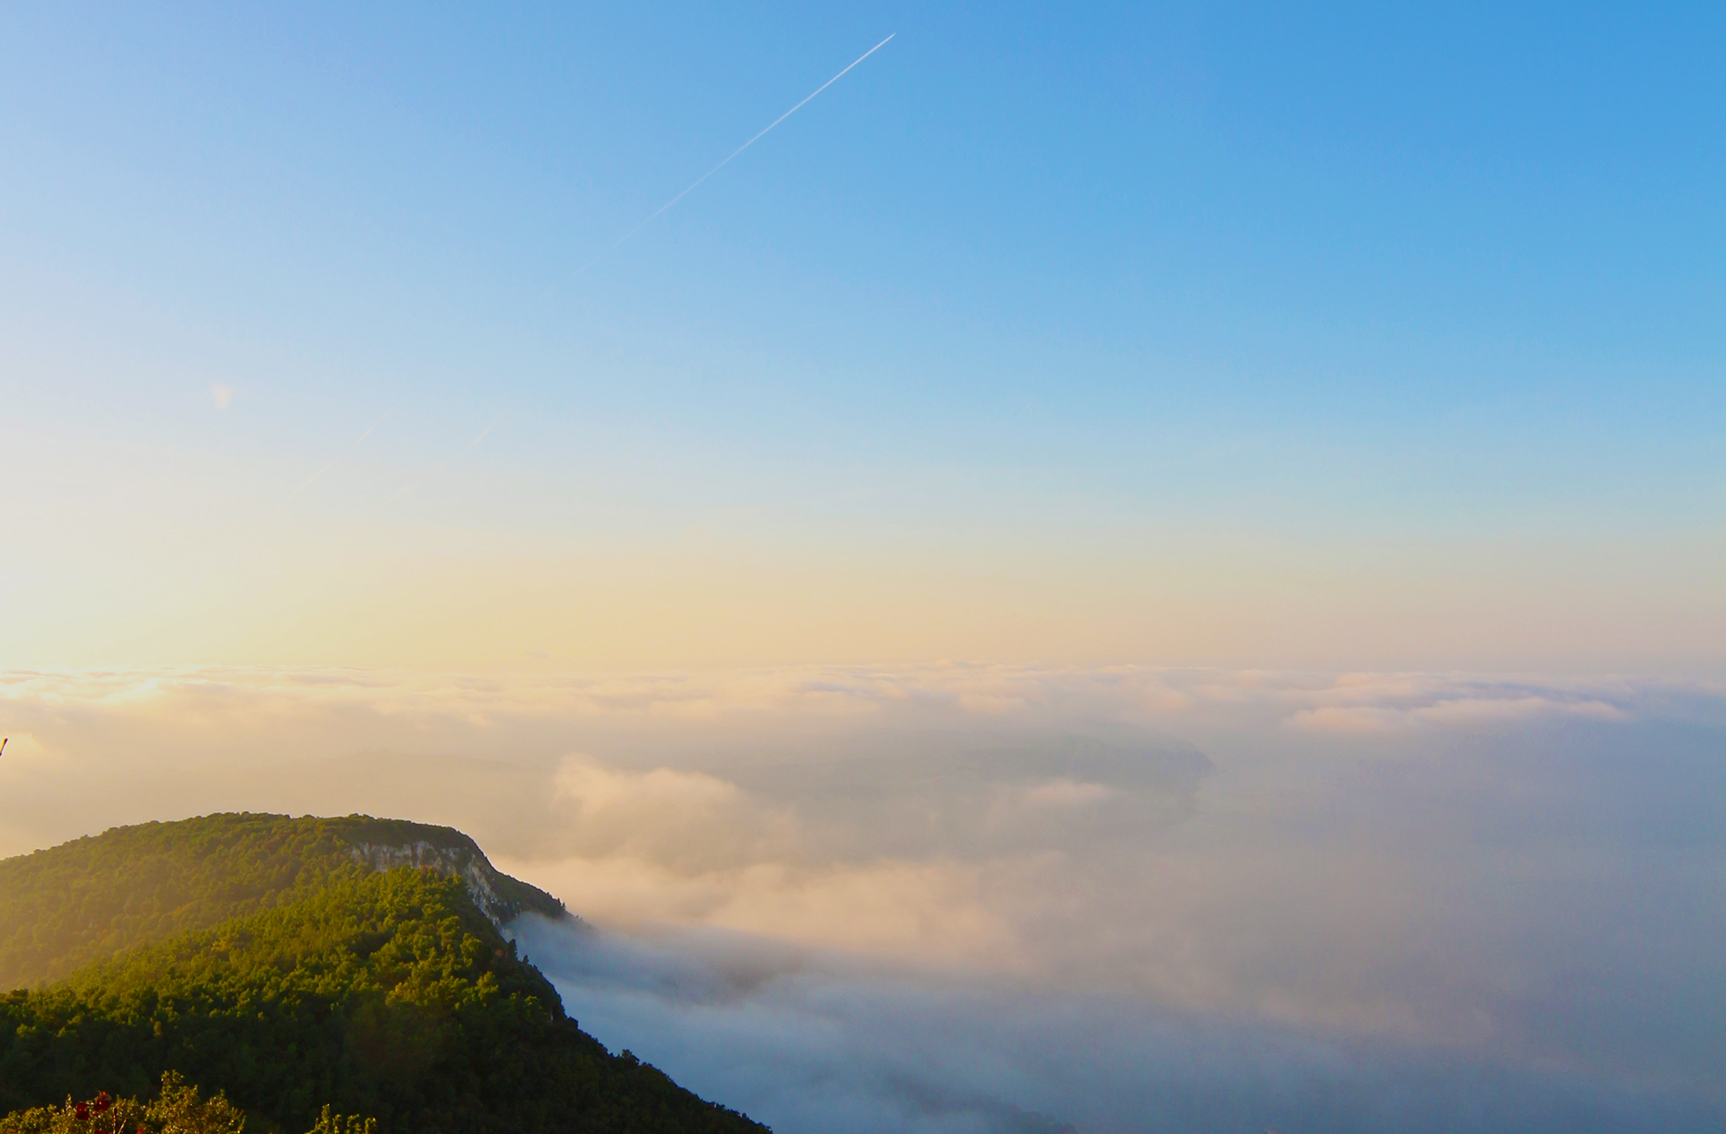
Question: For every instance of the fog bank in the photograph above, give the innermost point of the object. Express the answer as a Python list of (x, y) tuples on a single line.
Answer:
[(807, 1042), (988, 898)]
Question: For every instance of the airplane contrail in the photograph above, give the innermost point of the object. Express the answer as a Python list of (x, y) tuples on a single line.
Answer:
[(656, 212), (335, 460), (443, 465), (484, 431)]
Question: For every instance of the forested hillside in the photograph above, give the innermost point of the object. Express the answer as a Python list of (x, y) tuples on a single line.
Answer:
[(67, 907), (387, 995)]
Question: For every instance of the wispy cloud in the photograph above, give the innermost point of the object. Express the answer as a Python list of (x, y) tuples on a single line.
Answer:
[(1452, 712)]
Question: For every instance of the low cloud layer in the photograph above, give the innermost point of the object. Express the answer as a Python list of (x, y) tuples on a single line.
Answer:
[(1303, 901), (811, 1042)]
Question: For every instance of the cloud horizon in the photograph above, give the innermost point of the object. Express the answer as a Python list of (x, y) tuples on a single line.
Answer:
[(1513, 870)]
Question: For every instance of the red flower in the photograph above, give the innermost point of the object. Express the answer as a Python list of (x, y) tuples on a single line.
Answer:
[(103, 1102), (81, 1112)]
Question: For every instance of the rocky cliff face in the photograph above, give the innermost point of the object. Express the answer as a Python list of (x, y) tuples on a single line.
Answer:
[(89, 900), (498, 896)]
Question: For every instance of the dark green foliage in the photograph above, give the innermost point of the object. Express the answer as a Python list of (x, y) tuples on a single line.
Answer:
[(268, 958), (178, 1109), (85, 901), (388, 995)]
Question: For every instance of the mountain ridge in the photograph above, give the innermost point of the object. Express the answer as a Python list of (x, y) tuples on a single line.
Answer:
[(66, 907), (302, 963)]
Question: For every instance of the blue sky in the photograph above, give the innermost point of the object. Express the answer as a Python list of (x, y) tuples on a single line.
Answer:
[(1192, 283)]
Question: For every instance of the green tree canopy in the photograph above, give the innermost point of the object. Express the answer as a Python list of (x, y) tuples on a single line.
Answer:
[(388, 995)]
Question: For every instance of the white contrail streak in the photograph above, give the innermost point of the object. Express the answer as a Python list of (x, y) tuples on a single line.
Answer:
[(335, 460), (443, 465), (484, 431), (656, 212), (314, 478)]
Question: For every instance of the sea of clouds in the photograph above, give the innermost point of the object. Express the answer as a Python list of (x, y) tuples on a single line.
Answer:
[(965, 898)]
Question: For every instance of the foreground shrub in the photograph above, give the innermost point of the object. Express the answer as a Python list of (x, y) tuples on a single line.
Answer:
[(179, 1108)]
